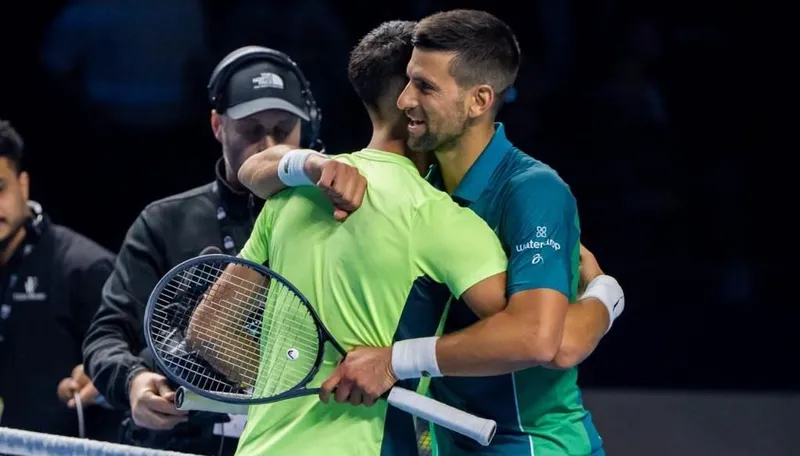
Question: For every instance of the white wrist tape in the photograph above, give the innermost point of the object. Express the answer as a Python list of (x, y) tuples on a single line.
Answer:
[(291, 169), (415, 358), (607, 290)]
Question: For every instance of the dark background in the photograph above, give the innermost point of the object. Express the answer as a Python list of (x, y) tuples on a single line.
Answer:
[(656, 115)]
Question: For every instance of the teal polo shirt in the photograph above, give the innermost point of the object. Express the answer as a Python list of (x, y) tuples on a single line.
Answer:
[(534, 214)]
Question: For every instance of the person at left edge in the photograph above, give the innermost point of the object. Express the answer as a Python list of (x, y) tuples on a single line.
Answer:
[(258, 97), (50, 283)]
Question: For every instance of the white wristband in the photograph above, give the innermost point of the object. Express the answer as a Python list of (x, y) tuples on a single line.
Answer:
[(291, 168), (607, 290), (415, 358)]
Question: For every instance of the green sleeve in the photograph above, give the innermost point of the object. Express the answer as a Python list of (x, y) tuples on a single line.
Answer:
[(256, 249), (453, 246)]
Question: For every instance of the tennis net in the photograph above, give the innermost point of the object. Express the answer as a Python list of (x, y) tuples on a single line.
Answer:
[(26, 443)]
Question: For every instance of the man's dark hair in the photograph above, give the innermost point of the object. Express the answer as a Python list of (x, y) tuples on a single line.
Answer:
[(11, 144), (486, 50), (380, 60)]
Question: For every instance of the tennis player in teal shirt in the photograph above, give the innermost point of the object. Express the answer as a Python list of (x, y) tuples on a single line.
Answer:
[(501, 367), (507, 366)]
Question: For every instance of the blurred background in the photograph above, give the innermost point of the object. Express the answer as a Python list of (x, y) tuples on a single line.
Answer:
[(647, 109)]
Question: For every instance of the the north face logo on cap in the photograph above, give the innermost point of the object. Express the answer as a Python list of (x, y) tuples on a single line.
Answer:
[(268, 81)]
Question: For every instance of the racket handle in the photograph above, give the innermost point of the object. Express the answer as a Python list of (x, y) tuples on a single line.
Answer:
[(187, 400), (479, 429)]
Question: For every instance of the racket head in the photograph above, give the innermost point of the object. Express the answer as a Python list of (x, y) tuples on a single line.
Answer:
[(185, 348)]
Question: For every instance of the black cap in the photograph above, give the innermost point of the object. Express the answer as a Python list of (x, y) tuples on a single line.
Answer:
[(261, 86)]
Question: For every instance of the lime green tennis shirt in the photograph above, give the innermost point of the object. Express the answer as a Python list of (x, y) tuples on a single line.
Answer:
[(382, 275)]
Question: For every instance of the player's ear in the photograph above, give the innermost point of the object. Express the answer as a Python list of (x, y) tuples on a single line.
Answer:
[(216, 124), (481, 99)]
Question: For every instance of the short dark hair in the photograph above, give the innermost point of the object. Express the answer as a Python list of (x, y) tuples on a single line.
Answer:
[(11, 144), (379, 59), (487, 52)]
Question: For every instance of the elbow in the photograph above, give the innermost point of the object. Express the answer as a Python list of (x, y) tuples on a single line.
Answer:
[(566, 357), (260, 181), (247, 173), (541, 349), (574, 348)]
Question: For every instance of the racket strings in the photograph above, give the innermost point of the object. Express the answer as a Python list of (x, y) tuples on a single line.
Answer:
[(258, 293), (263, 333), (228, 346), (172, 340), (290, 343), (293, 306)]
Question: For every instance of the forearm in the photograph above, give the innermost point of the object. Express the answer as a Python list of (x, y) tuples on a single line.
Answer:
[(235, 354), (494, 346), (109, 360), (588, 320), (586, 323), (526, 333), (503, 343), (216, 327), (215, 332), (260, 174)]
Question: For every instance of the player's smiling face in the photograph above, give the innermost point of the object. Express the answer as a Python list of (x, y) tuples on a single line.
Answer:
[(433, 102)]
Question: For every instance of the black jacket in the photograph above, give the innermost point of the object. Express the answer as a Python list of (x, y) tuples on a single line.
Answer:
[(49, 291), (165, 233)]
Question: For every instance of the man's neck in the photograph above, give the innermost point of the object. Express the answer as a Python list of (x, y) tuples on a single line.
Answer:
[(455, 161), (12, 246), (233, 180), (382, 140), (389, 135), (385, 141)]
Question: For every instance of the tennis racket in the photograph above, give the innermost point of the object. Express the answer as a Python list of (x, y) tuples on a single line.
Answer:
[(232, 332)]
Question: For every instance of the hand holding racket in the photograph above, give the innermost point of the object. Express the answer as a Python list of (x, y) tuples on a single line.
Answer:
[(230, 331), (361, 378)]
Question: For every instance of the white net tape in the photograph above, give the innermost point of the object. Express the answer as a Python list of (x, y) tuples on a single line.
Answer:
[(26, 443)]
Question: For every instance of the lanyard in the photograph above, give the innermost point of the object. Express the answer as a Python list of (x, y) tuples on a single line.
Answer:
[(225, 224)]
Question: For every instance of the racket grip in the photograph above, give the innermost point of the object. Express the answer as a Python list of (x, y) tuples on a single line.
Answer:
[(479, 429), (187, 400)]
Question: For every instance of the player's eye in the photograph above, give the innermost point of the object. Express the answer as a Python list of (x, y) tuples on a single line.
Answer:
[(283, 129), (279, 134), (254, 133), (423, 86)]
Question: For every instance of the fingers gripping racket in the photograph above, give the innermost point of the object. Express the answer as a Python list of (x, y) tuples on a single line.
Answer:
[(232, 332)]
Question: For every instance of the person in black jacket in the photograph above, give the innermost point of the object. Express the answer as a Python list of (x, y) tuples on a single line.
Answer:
[(50, 284), (259, 97)]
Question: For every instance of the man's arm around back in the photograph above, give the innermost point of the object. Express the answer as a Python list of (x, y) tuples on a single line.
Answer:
[(341, 183)]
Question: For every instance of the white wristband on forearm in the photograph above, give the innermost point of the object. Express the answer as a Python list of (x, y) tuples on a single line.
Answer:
[(291, 169), (415, 358), (607, 290)]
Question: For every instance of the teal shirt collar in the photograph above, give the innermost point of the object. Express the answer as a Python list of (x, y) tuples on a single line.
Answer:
[(477, 178)]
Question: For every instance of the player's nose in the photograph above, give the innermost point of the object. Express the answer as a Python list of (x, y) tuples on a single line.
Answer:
[(406, 100)]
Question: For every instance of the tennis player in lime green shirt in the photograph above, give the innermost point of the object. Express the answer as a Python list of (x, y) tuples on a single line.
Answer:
[(373, 279)]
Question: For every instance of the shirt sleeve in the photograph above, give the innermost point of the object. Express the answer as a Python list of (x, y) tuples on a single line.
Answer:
[(112, 348), (541, 228), (453, 246), (256, 249)]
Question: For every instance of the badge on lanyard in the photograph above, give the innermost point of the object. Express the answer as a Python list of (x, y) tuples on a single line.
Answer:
[(222, 216), (232, 428)]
